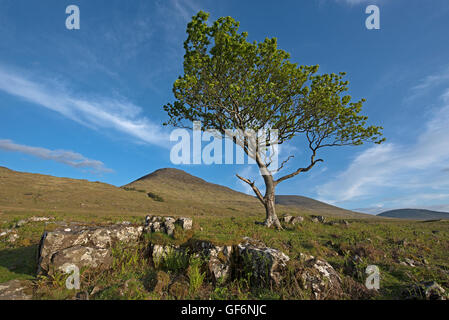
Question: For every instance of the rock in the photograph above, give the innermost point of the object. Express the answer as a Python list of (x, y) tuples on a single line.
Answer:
[(20, 223), (166, 224), (81, 256), (39, 219), (185, 223), (286, 219), (218, 259), (13, 237), (83, 295), (16, 290), (5, 232), (296, 220), (429, 290), (159, 252), (320, 219), (82, 245), (265, 263), (320, 277)]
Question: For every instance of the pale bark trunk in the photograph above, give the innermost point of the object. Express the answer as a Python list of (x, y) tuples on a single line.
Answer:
[(271, 218)]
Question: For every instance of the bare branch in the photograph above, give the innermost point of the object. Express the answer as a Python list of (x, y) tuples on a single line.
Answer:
[(255, 189)]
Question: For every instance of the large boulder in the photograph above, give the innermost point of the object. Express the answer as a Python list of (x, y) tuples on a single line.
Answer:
[(16, 290), (320, 278), (265, 264), (82, 246)]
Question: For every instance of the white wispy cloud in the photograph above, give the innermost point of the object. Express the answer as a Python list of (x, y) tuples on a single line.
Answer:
[(418, 169), (67, 157), (94, 112)]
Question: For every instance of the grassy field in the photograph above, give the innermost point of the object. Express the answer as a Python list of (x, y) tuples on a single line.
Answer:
[(387, 243)]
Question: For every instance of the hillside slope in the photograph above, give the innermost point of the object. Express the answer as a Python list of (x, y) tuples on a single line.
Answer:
[(415, 214), (312, 205), (173, 192)]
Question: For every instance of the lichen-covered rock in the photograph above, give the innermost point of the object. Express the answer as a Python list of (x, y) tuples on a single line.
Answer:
[(218, 259), (158, 251), (15, 290), (318, 219), (82, 245), (320, 278), (166, 224), (185, 223), (296, 220), (266, 264), (82, 257), (429, 290)]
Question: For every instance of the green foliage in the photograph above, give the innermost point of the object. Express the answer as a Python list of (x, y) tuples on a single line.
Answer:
[(196, 277), (133, 189), (174, 260), (231, 83), (155, 197)]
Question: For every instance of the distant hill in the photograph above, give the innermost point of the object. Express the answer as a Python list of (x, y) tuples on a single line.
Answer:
[(164, 191), (312, 205), (415, 214)]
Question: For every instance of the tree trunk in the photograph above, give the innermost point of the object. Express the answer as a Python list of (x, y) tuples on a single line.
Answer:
[(270, 209)]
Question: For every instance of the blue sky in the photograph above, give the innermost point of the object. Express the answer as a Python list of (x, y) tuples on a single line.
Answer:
[(88, 103)]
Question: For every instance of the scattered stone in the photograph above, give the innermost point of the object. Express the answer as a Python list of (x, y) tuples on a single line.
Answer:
[(82, 246), (185, 223), (166, 224), (296, 220), (286, 219), (320, 219), (320, 277), (39, 219), (159, 252), (218, 259), (15, 290), (265, 263), (13, 237), (83, 295), (5, 232), (429, 290), (292, 220), (20, 223)]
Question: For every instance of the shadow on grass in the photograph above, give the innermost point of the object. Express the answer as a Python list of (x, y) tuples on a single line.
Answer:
[(18, 263)]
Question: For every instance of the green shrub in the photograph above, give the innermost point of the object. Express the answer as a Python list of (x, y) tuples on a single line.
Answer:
[(196, 278), (155, 197)]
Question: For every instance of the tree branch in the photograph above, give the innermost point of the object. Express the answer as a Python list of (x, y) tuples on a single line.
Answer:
[(255, 189)]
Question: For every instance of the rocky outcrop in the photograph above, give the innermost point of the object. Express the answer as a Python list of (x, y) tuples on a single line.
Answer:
[(320, 278), (429, 290), (219, 259), (320, 219), (265, 264), (82, 246), (292, 220), (15, 290), (166, 224)]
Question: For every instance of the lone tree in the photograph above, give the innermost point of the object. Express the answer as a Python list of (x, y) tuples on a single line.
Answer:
[(231, 83)]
